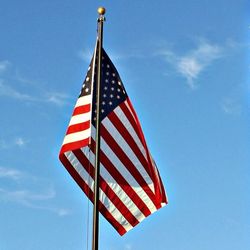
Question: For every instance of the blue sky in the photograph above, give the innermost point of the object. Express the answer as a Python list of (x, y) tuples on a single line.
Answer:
[(185, 65)]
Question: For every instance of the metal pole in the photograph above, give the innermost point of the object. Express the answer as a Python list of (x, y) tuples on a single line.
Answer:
[(95, 238)]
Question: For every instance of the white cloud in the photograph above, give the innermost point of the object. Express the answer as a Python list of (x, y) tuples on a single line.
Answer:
[(29, 198), (10, 173), (62, 211), (28, 191), (58, 99), (25, 196), (32, 199), (20, 142), (85, 55), (194, 62), (13, 92), (8, 91), (190, 68), (128, 247), (10, 143), (4, 65), (231, 106)]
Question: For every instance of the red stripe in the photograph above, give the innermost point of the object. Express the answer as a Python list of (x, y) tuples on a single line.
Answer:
[(81, 109), (106, 189), (128, 164), (122, 182), (78, 127), (136, 123), (129, 139), (137, 128), (76, 177), (151, 168), (121, 230), (131, 119), (163, 194), (74, 145)]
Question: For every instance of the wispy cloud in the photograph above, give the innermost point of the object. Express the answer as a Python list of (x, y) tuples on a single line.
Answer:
[(10, 173), (32, 199), (194, 62), (231, 106), (128, 247), (26, 197), (13, 142), (28, 191), (58, 99), (4, 65), (85, 55), (8, 91), (20, 142)]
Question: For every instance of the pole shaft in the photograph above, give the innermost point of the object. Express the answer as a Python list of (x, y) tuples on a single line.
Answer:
[(95, 239)]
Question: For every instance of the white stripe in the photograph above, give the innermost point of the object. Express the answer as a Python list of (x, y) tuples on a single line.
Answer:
[(112, 183), (125, 173), (114, 211), (77, 136), (125, 199), (80, 169), (103, 198), (76, 119), (123, 118), (126, 103), (128, 151), (83, 100)]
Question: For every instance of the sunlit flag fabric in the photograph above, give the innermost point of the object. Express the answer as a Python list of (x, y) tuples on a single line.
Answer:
[(130, 184)]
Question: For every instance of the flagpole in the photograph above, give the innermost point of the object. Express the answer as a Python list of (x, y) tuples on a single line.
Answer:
[(95, 236)]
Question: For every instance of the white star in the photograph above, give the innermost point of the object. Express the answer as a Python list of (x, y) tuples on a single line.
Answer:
[(108, 66), (89, 68), (87, 90), (118, 90), (103, 103), (104, 95), (110, 103), (105, 88), (118, 97), (113, 74), (106, 80), (119, 83), (111, 96), (102, 110), (87, 79), (107, 73), (112, 88), (113, 81)]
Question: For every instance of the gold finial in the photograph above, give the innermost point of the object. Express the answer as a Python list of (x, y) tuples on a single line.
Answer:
[(101, 11)]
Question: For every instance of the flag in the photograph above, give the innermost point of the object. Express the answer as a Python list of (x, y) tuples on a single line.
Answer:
[(130, 185)]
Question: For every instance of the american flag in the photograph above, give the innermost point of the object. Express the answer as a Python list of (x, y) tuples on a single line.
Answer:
[(130, 184)]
